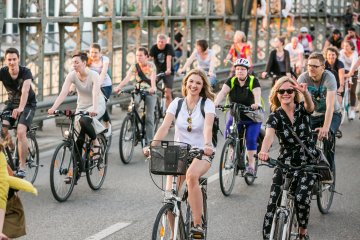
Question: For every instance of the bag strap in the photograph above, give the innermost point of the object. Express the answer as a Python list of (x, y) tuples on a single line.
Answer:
[(142, 75), (297, 138), (180, 102)]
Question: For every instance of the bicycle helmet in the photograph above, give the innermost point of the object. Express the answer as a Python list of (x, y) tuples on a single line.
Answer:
[(242, 62), (304, 30)]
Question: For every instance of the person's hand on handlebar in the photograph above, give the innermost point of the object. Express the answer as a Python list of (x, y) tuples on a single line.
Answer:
[(263, 156), (208, 150), (51, 111), (255, 106), (264, 74), (168, 71), (152, 91), (93, 114), (117, 90), (322, 133)]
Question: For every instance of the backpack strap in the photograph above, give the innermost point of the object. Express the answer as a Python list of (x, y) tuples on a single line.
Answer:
[(202, 106), (180, 103), (142, 75)]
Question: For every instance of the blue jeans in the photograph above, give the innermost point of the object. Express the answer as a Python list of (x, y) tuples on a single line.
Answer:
[(107, 92)]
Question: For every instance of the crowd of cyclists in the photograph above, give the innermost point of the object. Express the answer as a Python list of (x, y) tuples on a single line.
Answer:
[(306, 95)]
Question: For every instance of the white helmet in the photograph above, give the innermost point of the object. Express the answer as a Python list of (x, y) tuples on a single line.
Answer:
[(242, 62), (304, 30)]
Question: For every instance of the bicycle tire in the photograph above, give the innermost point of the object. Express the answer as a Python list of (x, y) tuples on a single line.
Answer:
[(162, 229), (9, 159), (188, 220), (279, 227), (127, 135), (65, 174), (227, 168), (96, 169), (325, 194), (32, 159), (157, 114), (204, 216), (249, 180)]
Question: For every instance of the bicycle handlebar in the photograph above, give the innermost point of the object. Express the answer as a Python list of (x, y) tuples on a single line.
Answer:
[(238, 106), (69, 113)]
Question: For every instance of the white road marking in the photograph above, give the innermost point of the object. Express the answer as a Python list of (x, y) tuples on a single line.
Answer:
[(108, 231)]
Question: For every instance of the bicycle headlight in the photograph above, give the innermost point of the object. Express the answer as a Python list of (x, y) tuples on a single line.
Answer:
[(66, 133)]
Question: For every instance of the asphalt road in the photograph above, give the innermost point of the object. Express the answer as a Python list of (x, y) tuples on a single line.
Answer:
[(128, 202)]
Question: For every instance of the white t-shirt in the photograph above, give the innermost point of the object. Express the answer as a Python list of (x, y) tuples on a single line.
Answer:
[(348, 61), (196, 137), (294, 53)]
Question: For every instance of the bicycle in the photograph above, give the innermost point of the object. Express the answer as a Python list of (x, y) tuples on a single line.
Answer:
[(232, 161), (12, 155), (285, 225), (173, 158), (68, 162), (160, 108), (131, 134)]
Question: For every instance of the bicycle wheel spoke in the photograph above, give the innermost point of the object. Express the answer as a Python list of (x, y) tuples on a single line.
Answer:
[(96, 169), (127, 140)]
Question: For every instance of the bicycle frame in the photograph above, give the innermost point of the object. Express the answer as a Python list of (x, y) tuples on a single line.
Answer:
[(136, 117)]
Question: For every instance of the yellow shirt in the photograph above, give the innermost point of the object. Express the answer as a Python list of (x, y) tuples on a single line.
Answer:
[(4, 184)]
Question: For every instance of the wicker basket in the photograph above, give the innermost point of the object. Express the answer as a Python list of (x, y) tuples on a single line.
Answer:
[(168, 157)]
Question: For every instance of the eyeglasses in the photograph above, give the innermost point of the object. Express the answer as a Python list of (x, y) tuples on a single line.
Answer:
[(189, 120), (314, 66), (288, 91)]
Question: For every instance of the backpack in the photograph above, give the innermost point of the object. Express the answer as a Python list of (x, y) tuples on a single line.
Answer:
[(216, 123), (251, 83)]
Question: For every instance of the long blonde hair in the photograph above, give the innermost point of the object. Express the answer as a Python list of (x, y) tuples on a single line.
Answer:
[(206, 91), (274, 100)]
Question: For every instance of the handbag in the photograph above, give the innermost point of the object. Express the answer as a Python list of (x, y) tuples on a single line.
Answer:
[(14, 222), (257, 115), (325, 175)]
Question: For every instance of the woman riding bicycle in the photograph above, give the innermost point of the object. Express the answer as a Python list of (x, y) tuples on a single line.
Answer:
[(144, 75), (90, 99), (238, 88), (205, 58), (100, 64), (192, 128), (288, 110)]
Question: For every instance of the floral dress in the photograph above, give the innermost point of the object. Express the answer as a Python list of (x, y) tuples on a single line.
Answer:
[(291, 153)]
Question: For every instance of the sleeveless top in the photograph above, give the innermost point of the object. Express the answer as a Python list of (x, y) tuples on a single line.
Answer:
[(107, 79), (204, 64)]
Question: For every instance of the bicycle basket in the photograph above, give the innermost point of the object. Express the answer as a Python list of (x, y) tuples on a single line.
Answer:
[(168, 157)]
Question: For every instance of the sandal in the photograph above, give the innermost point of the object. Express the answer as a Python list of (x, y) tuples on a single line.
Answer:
[(96, 155)]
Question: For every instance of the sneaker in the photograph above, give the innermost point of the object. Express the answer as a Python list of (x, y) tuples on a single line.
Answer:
[(352, 115), (250, 171), (197, 232), (304, 237), (108, 132), (338, 133), (20, 173)]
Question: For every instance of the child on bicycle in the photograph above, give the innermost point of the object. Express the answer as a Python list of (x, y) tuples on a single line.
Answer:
[(192, 128), (288, 110)]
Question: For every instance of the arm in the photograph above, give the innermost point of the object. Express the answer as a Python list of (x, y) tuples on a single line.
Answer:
[(257, 98), (353, 68), (64, 91), (209, 121), (220, 96), (311, 46), (163, 130), (266, 144), (330, 101), (124, 81), (341, 73), (212, 65), (104, 70), (188, 62), (168, 64), (23, 99), (326, 45)]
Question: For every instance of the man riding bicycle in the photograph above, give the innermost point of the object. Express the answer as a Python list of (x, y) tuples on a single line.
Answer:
[(245, 89), (144, 75), (322, 87), (21, 101)]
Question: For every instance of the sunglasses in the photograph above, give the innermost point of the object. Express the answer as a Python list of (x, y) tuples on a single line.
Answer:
[(189, 120), (288, 91)]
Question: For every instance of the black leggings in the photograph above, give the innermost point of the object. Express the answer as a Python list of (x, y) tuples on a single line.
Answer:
[(301, 185), (86, 128)]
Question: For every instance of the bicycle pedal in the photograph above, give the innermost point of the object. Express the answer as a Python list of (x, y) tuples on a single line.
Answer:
[(197, 236)]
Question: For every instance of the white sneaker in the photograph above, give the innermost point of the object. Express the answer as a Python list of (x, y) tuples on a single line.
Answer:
[(108, 133), (352, 115)]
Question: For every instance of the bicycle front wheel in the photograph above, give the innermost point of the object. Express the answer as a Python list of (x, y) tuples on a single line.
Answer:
[(32, 159), (227, 170), (62, 172), (325, 193), (204, 217), (127, 139), (164, 225), (96, 169), (293, 227), (280, 231)]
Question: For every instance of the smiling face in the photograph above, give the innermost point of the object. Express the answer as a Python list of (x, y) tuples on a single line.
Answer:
[(347, 47), (286, 93), (315, 68), (194, 85), (331, 57), (12, 61), (95, 54)]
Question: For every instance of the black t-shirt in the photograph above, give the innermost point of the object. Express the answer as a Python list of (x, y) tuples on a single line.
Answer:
[(242, 94), (14, 86), (335, 69), (160, 57), (335, 43)]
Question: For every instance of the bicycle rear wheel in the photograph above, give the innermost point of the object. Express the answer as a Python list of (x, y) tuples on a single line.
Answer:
[(62, 172), (32, 159), (127, 139), (227, 170), (164, 224), (204, 217), (325, 193), (96, 169)]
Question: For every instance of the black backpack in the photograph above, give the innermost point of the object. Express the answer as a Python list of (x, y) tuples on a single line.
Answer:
[(215, 128)]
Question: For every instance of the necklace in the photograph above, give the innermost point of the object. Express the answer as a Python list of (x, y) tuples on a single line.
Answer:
[(190, 111)]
